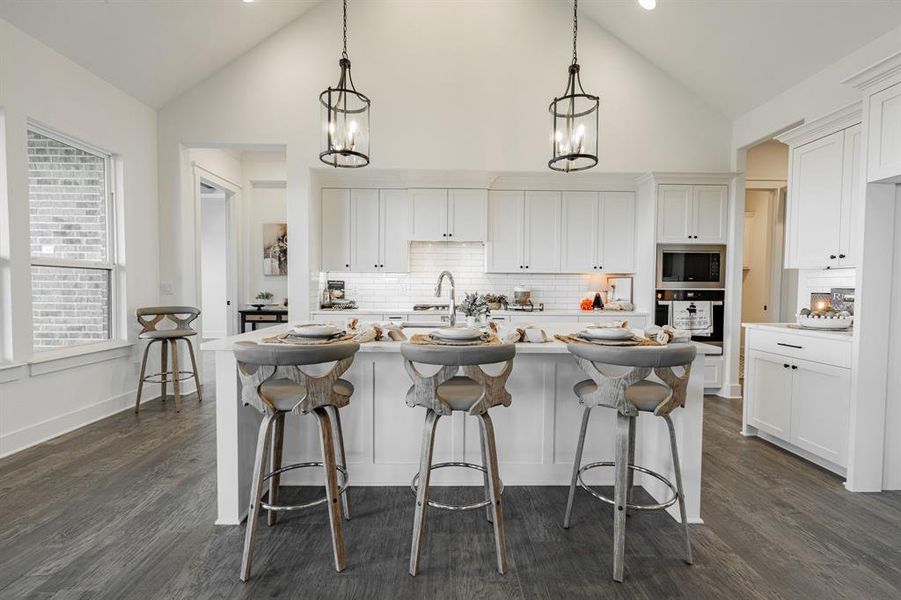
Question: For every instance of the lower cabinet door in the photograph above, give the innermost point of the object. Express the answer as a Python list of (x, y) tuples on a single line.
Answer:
[(820, 409), (769, 390)]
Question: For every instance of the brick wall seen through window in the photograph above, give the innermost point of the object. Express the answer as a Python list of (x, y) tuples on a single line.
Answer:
[(71, 272)]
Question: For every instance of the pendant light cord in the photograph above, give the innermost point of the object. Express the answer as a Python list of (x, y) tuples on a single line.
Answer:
[(575, 28), (344, 53)]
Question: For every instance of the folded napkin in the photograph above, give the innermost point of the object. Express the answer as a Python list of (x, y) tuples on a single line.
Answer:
[(514, 335), (667, 334)]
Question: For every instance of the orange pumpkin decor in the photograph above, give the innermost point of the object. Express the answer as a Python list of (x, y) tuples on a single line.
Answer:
[(585, 304)]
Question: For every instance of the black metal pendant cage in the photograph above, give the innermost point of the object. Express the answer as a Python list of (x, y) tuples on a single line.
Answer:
[(345, 123), (574, 132)]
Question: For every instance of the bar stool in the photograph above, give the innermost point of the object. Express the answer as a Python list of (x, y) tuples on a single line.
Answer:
[(273, 383), (443, 393), (181, 317), (628, 393)]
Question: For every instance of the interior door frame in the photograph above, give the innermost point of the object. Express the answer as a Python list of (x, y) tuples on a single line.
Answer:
[(232, 264), (777, 190)]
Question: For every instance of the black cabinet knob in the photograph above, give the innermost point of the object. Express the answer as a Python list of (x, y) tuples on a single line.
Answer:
[(520, 266), (376, 266), (527, 266), (600, 267), (450, 235), (832, 256), (381, 266), (785, 366), (841, 256), (443, 235), (795, 367), (348, 266)]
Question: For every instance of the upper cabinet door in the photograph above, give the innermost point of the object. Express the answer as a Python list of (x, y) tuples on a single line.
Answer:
[(394, 231), (467, 215), (884, 143), (505, 232), (579, 248), (541, 246), (674, 214), (710, 214), (429, 214), (815, 199), (851, 187), (616, 246), (364, 231), (335, 230)]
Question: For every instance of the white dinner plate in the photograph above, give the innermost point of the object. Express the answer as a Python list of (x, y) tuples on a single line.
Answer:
[(606, 333), (458, 334), (315, 331)]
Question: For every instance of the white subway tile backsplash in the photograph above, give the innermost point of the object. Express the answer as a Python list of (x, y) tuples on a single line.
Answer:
[(467, 262)]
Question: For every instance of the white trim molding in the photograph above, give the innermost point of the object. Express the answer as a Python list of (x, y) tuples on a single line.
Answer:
[(844, 117), (882, 73), (52, 361)]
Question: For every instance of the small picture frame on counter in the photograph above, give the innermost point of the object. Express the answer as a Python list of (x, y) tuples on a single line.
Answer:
[(842, 300)]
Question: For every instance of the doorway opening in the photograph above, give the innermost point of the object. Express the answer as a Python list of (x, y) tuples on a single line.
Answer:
[(215, 275), (769, 291)]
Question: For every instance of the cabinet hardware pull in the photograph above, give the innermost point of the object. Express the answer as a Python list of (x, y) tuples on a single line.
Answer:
[(450, 235), (348, 266), (443, 235), (789, 345), (381, 266), (785, 365), (794, 366), (527, 266), (520, 266), (832, 257), (841, 256)]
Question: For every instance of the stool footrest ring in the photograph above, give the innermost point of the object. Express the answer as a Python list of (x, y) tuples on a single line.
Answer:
[(170, 376), (414, 486), (342, 487), (666, 504)]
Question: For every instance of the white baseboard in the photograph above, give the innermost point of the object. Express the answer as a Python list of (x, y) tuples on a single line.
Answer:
[(32, 435), (730, 390)]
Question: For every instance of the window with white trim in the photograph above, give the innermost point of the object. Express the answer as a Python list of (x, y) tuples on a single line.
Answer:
[(73, 254)]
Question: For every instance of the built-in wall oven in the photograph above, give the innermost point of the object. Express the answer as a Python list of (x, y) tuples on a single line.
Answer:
[(687, 266), (697, 311)]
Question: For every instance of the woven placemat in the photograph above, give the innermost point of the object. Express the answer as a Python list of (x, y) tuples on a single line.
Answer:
[(422, 339), (637, 341), (294, 340)]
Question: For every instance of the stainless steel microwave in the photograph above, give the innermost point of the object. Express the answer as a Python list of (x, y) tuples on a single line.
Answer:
[(690, 266)]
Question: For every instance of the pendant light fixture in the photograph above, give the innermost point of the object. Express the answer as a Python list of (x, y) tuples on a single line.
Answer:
[(574, 116), (345, 119)]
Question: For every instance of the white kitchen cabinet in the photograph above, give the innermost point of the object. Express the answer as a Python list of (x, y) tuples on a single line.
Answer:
[(456, 215), (394, 231), (803, 404), (825, 170), (505, 232), (580, 232), (429, 208), (768, 391), (598, 232), (692, 214), (467, 215), (365, 230), (884, 143), (541, 240), (616, 246), (523, 232), (820, 408), (335, 230)]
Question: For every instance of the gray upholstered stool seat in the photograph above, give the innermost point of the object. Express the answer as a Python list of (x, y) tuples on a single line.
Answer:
[(285, 394), (274, 382), (176, 321), (458, 392), (646, 396), (442, 393), (166, 334), (625, 388)]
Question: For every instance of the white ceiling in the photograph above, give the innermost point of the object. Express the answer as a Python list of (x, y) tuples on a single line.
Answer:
[(737, 54), (152, 49), (734, 54)]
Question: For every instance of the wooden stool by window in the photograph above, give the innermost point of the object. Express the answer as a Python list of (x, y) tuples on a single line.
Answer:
[(175, 324)]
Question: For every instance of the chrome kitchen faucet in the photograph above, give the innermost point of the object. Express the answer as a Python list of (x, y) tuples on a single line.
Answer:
[(453, 303)]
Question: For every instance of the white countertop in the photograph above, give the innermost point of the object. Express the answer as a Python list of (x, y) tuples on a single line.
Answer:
[(795, 330), (561, 312), (552, 347)]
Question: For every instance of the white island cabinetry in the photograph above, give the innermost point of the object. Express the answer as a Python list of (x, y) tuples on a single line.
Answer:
[(797, 391)]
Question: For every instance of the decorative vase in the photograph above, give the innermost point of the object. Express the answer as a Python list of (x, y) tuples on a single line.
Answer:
[(470, 321)]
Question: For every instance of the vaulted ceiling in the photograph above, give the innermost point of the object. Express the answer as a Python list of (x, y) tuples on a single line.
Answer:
[(733, 54)]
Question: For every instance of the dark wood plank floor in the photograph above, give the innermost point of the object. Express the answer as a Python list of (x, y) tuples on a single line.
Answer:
[(124, 509)]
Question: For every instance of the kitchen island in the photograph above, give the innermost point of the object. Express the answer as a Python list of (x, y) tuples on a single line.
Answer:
[(536, 435)]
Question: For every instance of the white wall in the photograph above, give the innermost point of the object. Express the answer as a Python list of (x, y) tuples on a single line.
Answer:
[(266, 205), (214, 257), (40, 84), (459, 86)]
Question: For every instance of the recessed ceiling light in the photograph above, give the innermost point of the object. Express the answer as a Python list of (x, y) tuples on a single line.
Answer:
[(645, 4)]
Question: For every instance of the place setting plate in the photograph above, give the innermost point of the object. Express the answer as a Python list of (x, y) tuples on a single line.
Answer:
[(459, 336), (315, 331)]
